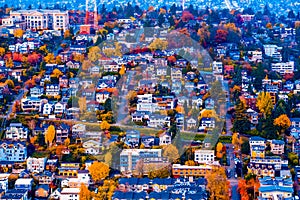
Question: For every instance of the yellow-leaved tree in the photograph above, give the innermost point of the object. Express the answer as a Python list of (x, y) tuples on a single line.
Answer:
[(265, 104), (171, 152), (104, 125), (94, 54), (217, 184), (50, 135), (82, 104), (283, 122), (219, 150), (122, 70), (18, 33), (57, 73), (235, 140), (49, 58), (99, 171), (2, 51), (158, 44), (84, 193)]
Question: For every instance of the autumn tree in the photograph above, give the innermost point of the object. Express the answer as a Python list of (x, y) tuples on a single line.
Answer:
[(82, 104), (219, 150), (18, 33), (248, 186), (122, 70), (49, 58), (86, 64), (10, 83), (50, 135), (264, 103), (67, 142), (2, 51), (283, 122), (190, 163), (104, 125), (67, 34), (94, 54), (171, 152), (217, 184), (158, 44), (84, 193), (57, 73), (235, 140), (99, 171)]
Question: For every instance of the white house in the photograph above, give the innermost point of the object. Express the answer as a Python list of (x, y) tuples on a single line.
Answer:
[(102, 96), (52, 89), (16, 131), (4, 181), (165, 138), (30, 104), (24, 183), (36, 164), (59, 108), (92, 147), (36, 91), (47, 108), (217, 67), (69, 194), (204, 156)]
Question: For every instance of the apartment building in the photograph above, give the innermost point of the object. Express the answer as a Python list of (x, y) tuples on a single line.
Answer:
[(204, 156), (42, 19)]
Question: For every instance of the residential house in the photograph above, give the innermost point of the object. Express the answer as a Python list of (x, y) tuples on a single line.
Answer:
[(217, 67), (51, 165), (59, 108), (102, 96), (31, 104), (52, 90), (253, 115), (148, 141), (16, 131), (62, 133), (295, 122), (204, 156), (165, 138), (36, 164), (48, 108), (111, 67), (56, 194), (10, 194), (4, 181), (70, 194), (130, 157), (275, 188), (156, 120), (24, 183), (63, 81), (161, 71), (208, 122), (132, 138), (92, 147), (13, 151), (45, 178), (36, 91), (78, 130), (176, 74), (277, 147), (42, 191), (191, 123)]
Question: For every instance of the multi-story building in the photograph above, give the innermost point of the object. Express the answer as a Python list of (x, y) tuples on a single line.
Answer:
[(275, 188), (217, 67), (31, 104), (13, 151), (277, 147), (42, 19), (204, 156), (185, 170), (283, 67), (16, 131), (130, 157), (267, 166), (70, 194), (36, 164), (52, 89)]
